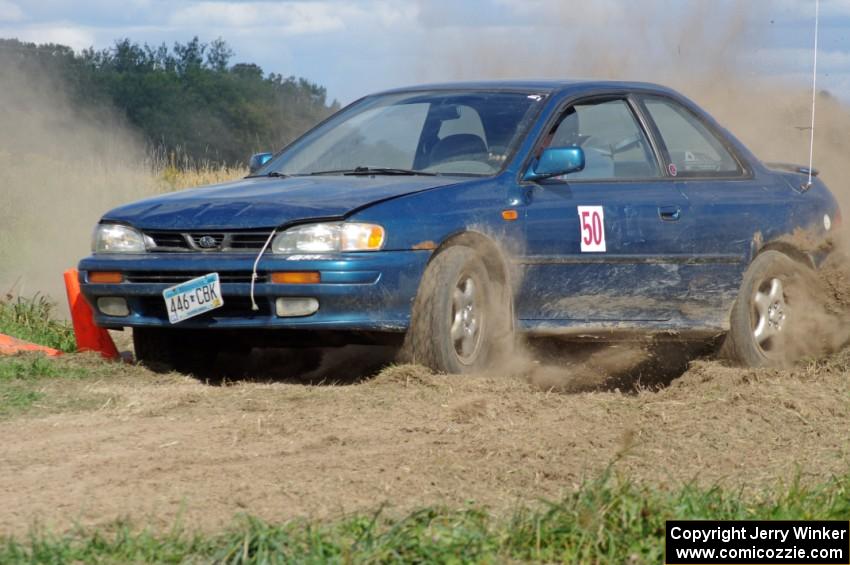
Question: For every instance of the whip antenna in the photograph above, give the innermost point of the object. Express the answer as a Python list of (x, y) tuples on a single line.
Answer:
[(254, 306), (814, 94)]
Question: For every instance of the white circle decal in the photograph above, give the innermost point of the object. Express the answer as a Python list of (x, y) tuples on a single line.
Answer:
[(827, 223)]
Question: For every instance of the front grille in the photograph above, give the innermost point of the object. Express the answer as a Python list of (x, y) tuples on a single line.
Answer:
[(224, 241), (234, 307), (169, 240), (177, 277), (248, 240)]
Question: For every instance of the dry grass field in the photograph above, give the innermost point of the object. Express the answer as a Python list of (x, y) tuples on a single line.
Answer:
[(99, 444)]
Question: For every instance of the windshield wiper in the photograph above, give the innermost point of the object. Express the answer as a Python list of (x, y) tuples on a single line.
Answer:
[(273, 174), (356, 171), (387, 171)]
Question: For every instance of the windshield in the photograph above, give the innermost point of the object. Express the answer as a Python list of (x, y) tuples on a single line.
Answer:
[(445, 132)]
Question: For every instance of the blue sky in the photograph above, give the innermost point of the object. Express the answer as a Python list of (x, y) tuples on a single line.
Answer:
[(356, 46)]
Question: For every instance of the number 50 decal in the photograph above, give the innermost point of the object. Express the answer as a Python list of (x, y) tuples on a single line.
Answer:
[(592, 220)]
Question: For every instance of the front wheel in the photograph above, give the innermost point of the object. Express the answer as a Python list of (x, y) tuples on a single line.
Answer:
[(461, 318), (163, 349), (769, 315)]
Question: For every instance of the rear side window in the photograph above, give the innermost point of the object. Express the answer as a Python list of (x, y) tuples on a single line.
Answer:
[(693, 149), (614, 144)]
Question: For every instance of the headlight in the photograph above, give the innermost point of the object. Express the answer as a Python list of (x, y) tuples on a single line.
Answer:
[(115, 238), (329, 238)]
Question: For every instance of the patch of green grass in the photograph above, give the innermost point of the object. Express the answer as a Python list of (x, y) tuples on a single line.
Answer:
[(15, 399), (31, 319), (35, 366), (606, 521), (26, 380)]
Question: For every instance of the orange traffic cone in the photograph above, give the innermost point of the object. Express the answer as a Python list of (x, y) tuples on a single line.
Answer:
[(12, 346), (89, 336)]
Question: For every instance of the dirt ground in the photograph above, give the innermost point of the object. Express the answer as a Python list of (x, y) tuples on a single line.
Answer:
[(164, 448)]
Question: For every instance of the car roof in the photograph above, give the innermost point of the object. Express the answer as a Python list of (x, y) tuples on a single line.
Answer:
[(536, 86)]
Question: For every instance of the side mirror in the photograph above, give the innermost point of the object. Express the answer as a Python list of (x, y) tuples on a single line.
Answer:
[(258, 161), (554, 162)]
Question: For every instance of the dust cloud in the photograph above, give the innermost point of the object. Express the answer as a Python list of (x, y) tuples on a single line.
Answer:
[(704, 49), (707, 50), (62, 164)]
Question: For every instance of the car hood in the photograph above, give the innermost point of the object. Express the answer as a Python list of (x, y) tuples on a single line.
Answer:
[(265, 202)]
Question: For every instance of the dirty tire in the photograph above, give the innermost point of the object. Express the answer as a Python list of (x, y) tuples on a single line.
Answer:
[(163, 350), (154, 349), (742, 344), (461, 319)]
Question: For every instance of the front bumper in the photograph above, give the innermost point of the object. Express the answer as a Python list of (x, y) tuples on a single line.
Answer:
[(358, 292)]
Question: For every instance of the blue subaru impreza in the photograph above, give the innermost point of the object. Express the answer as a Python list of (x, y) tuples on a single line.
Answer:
[(448, 219)]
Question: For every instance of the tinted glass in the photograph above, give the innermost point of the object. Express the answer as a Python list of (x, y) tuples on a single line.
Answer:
[(614, 144), (693, 149), (443, 132)]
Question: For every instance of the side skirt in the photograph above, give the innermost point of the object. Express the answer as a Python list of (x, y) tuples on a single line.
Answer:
[(674, 330)]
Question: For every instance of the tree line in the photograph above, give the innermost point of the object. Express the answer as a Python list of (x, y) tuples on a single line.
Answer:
[(188, 100)]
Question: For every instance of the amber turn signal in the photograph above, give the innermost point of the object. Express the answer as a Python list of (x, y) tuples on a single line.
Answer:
[(509, 215), (105, 277), (297, 277)]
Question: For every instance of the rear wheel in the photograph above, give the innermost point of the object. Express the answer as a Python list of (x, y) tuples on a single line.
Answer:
[(763, 318), (461, 318)]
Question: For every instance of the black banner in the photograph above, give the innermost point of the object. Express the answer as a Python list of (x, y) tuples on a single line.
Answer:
[(745, 542)]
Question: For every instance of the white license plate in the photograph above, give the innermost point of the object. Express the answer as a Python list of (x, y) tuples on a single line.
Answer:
[(194, 297)]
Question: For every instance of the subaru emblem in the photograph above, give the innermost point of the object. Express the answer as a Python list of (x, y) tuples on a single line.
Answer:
[(207, 242)]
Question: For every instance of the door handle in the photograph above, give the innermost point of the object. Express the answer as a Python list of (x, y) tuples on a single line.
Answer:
[(669, 213)]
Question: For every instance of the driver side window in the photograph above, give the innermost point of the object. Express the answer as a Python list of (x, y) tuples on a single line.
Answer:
[(614, 144)]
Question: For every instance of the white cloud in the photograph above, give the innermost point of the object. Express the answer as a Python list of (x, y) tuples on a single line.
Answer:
[(73, 36), (395, 12), (542, 11), (10, 12), (217, 14), (299, 17)]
